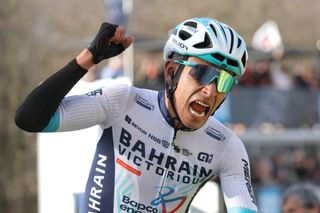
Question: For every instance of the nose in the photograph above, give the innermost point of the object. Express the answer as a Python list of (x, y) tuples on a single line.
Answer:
[(210, 89)]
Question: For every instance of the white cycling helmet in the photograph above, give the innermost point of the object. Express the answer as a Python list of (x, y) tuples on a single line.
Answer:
[(210, 40)]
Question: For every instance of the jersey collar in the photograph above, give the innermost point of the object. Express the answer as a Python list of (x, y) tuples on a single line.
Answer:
[(163, 108)]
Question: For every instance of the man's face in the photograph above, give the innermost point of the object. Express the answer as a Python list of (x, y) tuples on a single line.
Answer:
[(293, 205), (195, 102)]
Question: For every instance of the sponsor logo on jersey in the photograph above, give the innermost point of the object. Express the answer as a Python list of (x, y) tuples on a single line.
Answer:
[(166, 199), (128, 205), (165, 144), (95, 194), (143, 102), (183, 151), (247, 177), (152, 159), (135, 125), (205, 157), (95, 92), (214, 133), (154, 138)]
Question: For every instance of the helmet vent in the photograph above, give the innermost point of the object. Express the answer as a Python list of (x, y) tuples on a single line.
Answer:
[(213, 29), (244, 59), (224, 33), (239, 43), (205, 44), (218, 56), (184, 35), (232, 62), (191, 24), (232, 38)]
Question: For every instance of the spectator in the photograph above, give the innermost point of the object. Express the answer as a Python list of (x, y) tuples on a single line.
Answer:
[(280, 170), (263, 173), (257, 75), (298, 164), (281, 77), (307, 78), (300, 198), (153, 77)]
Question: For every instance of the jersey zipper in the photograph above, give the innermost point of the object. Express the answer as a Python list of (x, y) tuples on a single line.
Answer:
[(175, 148), (173, 144)]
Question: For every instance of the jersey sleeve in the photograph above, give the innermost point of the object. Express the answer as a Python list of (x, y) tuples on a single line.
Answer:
[(34, 113), (98, 107), (235, 179)]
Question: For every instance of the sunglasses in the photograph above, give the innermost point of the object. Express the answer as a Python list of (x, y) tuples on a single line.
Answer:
[(205, 75)]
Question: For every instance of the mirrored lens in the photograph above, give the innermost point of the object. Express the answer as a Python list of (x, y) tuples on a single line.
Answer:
[(204, 74), (225, 82), (207, 74)]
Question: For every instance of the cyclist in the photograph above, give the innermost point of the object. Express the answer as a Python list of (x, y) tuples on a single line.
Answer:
[(157, 149)]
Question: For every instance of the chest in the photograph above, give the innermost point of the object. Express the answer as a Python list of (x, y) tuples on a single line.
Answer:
[(146, 142)]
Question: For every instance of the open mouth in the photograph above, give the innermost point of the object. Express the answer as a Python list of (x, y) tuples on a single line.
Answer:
[(199, 108)]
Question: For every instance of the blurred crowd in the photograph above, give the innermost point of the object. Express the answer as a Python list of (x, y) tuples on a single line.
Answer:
[(148, 74), (261, 73), (286, 167), (301, 198), (281, 175), (152, 74), (265, 73)]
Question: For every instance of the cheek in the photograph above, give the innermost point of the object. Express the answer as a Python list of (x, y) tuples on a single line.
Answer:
[(221, 96), (181, 97), (182, 93), (218, 100)]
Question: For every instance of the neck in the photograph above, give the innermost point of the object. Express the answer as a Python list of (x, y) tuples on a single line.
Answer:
[(176, 121)]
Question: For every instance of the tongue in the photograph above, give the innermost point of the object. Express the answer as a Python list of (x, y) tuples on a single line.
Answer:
[(197, 107)]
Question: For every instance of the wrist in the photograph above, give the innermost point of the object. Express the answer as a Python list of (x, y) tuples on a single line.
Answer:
[(85, 59)]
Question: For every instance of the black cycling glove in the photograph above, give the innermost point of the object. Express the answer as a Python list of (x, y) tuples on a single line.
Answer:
[(101, 47)]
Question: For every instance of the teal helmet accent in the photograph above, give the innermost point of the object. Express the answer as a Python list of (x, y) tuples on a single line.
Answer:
[(210, 40)]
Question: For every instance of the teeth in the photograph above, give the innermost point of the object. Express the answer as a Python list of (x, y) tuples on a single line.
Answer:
[(197, 113), (202, 104)]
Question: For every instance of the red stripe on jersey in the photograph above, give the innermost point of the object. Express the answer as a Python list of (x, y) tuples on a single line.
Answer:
[(128, 167)]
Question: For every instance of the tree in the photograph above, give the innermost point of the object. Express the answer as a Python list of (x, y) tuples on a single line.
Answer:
[(17, 155)]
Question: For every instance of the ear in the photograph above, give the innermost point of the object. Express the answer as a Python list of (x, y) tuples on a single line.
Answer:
[(169, 67)]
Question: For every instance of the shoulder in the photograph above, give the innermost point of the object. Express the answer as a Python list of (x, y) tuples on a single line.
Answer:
[(129, 93), (118, 87), (216, 125), (231, 141), (233, 154)]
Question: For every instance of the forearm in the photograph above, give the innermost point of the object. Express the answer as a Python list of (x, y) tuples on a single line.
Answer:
[(35, 112)]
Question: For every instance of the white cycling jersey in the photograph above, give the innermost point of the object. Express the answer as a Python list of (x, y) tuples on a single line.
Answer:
[(142, 165)]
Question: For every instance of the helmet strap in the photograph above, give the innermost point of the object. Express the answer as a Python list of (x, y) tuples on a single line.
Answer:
[(175, 76)]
